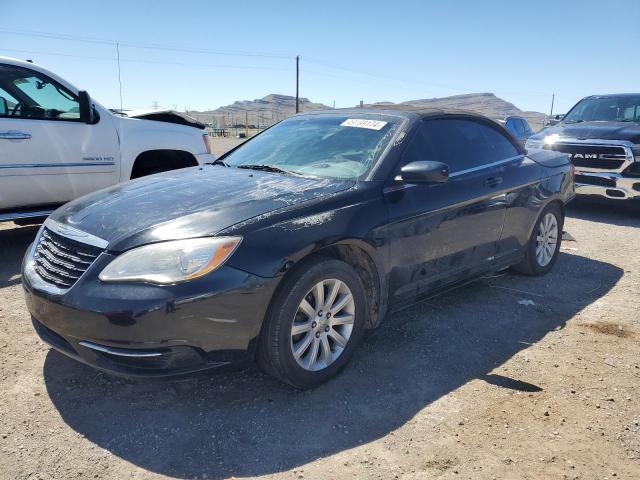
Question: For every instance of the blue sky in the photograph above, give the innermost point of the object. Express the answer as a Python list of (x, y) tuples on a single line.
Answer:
[(349, 50)]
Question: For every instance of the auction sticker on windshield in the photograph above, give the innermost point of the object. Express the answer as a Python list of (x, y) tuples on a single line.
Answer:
[(362, 123)]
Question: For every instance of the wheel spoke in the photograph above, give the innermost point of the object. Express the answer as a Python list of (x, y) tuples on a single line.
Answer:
[(338, 338), (333, 293), (302, 345), (299, 328), (307, 309), (312, 356), (318, 294), (342, 320), (337, 307), (550, 250), (327, 357)]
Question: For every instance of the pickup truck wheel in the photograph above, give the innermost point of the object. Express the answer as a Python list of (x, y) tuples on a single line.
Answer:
[(314, 323), (543, 247)]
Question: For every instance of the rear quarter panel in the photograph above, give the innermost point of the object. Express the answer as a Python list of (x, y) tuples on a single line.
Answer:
[(538, 181)]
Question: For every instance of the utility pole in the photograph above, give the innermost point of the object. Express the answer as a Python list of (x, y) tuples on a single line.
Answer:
[(553, 97), (297, 83), (119, 77)]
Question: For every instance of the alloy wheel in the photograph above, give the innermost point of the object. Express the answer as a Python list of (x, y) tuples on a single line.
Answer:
[(323, 324), (547, 239)]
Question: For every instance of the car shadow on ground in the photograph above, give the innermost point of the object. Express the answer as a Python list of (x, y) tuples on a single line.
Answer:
[(13, 245), (615, 212), (245, 423)]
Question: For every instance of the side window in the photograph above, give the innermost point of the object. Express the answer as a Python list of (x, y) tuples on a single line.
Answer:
[(465, 144), (526, 126), (420, 147), (31, 95), (520, 126), (7, 102)]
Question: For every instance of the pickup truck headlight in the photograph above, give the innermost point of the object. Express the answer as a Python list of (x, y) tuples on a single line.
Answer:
[(636, 152), (533, 143), (171, 262)]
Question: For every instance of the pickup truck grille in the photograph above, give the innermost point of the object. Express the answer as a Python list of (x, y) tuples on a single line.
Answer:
[(61, 261), (603, 157)]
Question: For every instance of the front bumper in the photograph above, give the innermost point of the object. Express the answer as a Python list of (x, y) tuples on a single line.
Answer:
[(607, 185), (147, 330)]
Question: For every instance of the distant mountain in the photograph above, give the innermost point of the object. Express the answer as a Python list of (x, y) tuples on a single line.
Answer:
[(266, 110), (274, 107), (485, 103)]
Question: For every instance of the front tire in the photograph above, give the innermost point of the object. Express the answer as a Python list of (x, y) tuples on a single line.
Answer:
[(314, 323), (543, 247)]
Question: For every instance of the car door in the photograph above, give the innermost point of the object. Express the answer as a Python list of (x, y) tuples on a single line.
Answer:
[(48, 155), (442, 233)]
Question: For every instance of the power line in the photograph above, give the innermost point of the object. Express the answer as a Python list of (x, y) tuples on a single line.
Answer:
[(369, 73), (141, 60), (151, 46), (331, 65)]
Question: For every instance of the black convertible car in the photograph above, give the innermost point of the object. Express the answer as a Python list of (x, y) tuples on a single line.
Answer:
[(292, 244)]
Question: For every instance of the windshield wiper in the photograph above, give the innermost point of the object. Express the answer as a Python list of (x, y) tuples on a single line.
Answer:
[(219, 162), (269, 168), (573, 121)]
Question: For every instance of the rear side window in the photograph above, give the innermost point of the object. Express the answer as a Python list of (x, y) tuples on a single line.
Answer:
[(462, 144)]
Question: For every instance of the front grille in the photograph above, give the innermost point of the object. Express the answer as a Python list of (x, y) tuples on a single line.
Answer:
[(61, 261), (603, 157)]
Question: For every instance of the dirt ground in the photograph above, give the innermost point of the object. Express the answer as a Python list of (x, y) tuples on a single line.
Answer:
[(508, 378)]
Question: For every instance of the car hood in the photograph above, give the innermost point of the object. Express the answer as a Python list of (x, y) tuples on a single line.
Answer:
[(596, 130), (188, 203)]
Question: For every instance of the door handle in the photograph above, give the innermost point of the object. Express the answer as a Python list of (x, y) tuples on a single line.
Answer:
[(15, 135), (493, 181)]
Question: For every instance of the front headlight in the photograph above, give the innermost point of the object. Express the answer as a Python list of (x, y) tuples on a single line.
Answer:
[(533, 143), (171, 262)]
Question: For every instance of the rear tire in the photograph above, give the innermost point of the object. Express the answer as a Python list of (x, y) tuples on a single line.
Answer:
[(543, 247), (314, 323)]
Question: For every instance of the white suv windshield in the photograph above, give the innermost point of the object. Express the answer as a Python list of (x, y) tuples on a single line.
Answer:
[(324, 145)]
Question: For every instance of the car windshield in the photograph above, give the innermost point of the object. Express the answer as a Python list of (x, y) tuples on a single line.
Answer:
[(324, 145), (613, 109)]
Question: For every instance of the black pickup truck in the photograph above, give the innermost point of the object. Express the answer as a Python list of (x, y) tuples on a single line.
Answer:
[(601, 135)]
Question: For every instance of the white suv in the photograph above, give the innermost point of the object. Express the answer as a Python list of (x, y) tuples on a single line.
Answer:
[(57, 144)]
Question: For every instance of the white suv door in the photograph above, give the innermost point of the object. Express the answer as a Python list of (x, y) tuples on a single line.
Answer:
[(48, 154)]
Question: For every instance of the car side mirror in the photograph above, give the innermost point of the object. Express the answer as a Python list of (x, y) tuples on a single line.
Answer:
[(425, 172), (4, 107), (87, 113)]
